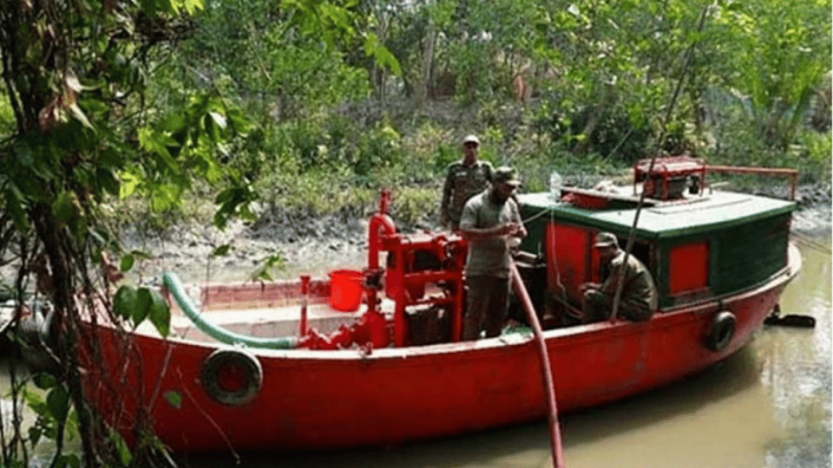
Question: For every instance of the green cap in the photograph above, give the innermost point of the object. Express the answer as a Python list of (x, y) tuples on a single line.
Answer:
[(506, 175)]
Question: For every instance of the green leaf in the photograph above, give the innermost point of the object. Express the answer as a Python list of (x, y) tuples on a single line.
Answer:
[(125, 457), (35, 402), (143, 305), (127, 262), (45, 380), (35, 433), (63, 207), (160, 313), (140, 254), (108, 180), (129, 183), (15, 205), (221, 250), (125, 301), (174, 398), (79, 116), (71, 460), (165, 197), (58, 402)]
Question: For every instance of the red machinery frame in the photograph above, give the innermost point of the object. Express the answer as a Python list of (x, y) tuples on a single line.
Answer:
[(405, 283)]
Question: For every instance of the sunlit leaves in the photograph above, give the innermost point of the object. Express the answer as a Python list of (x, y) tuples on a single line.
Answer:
[(129, 182), (266, 266), (383, 57)]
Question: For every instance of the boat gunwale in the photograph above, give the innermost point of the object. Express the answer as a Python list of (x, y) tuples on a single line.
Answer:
[(583, 332)]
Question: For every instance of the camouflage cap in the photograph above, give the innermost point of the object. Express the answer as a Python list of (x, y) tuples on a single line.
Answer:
[(605, 239), (506, 175)]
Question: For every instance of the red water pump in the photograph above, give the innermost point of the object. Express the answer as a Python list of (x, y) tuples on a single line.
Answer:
[(414, 263)]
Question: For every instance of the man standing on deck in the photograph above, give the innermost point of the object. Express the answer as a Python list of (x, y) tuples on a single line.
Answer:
[(491, 223), (463, 180), (638, 299)]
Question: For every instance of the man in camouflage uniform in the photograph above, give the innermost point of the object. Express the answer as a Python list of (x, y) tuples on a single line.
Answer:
[(464, 179), (491, 223), (638, 299)]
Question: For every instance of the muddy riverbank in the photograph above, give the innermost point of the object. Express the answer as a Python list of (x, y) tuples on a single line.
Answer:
[(316, 245)]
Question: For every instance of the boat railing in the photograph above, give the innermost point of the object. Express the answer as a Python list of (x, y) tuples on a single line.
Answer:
[(766, 171)]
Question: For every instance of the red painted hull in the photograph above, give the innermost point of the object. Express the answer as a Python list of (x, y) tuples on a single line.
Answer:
[(329, 399)]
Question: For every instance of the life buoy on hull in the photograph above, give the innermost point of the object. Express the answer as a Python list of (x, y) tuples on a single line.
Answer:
[(231, 376), (722, 330)]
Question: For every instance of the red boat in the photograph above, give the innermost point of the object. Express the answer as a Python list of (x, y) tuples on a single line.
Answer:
[(375, 357)]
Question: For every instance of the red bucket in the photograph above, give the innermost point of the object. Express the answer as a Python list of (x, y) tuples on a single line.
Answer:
[(346, 290)]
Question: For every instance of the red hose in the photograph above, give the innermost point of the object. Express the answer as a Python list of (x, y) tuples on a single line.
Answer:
[(544, 360)]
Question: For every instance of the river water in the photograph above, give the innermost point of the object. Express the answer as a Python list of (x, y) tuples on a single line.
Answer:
[(767, 406)]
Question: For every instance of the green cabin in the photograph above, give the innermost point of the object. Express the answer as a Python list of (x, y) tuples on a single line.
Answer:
[(698, 245)]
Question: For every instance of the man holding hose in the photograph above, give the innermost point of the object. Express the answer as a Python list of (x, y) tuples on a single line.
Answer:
[(491, 223)]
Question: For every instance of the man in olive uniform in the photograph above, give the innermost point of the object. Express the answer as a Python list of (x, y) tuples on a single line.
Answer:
[(491, 223), (465, 178), (638, 299)]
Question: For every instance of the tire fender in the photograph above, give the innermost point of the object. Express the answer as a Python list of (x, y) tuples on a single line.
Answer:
[(721, 331), (231, 376)]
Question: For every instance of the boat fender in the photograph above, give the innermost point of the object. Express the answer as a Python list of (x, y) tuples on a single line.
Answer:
[(231, 376), (722, 330)]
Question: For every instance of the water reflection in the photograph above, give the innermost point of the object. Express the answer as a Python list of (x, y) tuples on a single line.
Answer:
[(797, 370)]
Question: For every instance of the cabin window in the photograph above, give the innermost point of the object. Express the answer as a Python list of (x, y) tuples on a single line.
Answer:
[(689, 267)]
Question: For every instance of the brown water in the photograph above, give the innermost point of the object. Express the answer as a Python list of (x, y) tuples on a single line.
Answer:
[(767, 406)]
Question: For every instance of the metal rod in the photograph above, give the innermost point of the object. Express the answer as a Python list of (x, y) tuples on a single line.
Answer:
[(771, 171), (304, 303)]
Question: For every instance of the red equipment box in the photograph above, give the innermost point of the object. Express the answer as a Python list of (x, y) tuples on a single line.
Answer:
[(669, 177)]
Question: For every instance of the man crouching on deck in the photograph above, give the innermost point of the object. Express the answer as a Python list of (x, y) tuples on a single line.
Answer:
[(491, 223), (638, 299)]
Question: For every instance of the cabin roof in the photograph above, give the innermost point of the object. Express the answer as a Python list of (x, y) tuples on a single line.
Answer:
[(689, 216)]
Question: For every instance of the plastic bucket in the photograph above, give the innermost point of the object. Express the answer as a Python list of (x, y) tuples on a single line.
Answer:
[(346, 290)]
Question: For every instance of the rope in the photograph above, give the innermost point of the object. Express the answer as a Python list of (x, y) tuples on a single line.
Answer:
[(660, 140)]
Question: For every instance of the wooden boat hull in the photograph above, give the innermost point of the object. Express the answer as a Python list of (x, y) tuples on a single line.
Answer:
[(345, 398)]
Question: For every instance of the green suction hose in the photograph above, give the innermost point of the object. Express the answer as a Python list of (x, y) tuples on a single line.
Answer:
[(174, 286)]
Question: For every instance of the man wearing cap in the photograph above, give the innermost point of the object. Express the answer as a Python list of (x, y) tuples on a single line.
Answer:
[(638, 298), (491, 223), (464, 179)]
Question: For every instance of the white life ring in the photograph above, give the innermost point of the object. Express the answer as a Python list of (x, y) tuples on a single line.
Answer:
[(721, 331), (231, 376)]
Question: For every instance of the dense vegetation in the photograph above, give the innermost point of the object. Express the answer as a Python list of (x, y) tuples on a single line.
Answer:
[(582, 86), (313, 105)]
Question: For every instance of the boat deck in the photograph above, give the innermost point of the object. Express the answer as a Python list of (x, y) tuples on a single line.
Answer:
[(267, 322)]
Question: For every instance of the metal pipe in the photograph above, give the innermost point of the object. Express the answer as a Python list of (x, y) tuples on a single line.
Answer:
[(379, 221), (302, 331), (544, 360)]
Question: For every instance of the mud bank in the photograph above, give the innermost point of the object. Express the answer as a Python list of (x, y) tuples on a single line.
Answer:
[(318, 245)]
